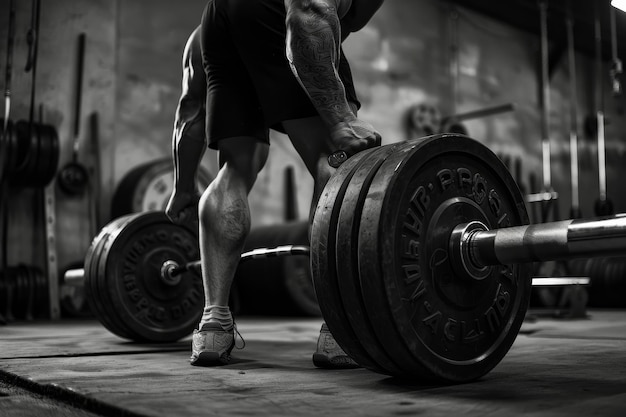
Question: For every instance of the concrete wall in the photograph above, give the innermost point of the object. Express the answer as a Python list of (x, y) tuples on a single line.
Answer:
[(132, 80), (61, 23), (403, 57)]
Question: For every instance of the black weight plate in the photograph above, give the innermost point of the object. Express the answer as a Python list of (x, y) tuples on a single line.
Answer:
[(458, 329), (12, 151), (49, 154), (6, 143), (92, 292), (73, 178), (53, 136), (14, 154), (164, 313), (29, 150), (121, 327), (23, 144), (347, 263), (43, 160), (325, 277), (34, 178), (153, 310), (94, 295), (89, 279)]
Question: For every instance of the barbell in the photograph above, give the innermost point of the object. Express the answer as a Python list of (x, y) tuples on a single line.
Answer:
[(171, 271), (420, 254)]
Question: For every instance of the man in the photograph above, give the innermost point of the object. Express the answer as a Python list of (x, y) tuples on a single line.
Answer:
[(268, 64)]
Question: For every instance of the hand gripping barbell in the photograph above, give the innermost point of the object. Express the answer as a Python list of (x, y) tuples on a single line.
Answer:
[(420, 256)]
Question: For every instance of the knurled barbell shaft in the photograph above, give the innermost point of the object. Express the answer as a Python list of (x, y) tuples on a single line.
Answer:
[(171, 269), (284, 250), (567, 239)]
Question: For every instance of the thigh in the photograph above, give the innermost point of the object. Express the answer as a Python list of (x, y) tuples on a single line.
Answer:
[(232, 105), (241, 158), (309, 137)]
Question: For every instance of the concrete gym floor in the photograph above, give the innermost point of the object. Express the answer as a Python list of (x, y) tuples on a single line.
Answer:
[(557, 367)]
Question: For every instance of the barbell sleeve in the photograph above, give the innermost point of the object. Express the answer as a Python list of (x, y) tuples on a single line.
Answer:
[(560, 240), (74, 277)]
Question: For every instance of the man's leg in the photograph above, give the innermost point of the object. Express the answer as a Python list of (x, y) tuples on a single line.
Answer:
[(308, 137), (224, 217)]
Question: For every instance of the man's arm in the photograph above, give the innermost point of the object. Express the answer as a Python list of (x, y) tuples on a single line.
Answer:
[(189, 137), (313, 42)]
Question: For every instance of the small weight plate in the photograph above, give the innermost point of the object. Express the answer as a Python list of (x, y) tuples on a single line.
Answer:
[(153, 310)]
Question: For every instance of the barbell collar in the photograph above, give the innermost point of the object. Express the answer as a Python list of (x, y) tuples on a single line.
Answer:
[(168, 276), (560, 240), (462, 262), (337, 158)]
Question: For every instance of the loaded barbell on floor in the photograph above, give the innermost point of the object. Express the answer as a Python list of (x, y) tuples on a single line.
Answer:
[(124, 284), (420, 256)]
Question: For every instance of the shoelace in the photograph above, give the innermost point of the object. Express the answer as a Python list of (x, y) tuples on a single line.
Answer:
[(240, 336)]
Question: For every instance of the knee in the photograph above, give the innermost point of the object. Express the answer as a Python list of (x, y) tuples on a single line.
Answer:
[(226, 214), (241, 160)]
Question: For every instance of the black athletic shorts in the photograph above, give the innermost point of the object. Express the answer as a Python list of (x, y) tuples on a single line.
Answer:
[(250, 86)]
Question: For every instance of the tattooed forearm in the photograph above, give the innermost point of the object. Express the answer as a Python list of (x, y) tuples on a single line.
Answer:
[(313, 41)]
